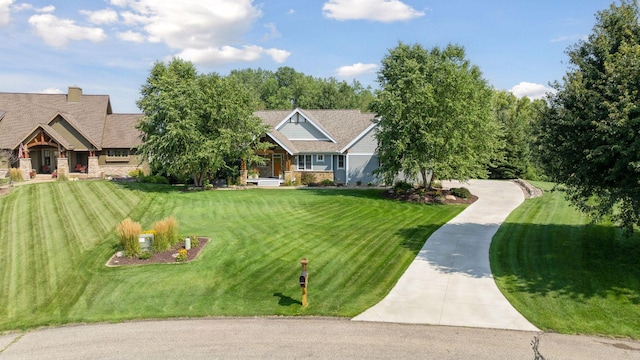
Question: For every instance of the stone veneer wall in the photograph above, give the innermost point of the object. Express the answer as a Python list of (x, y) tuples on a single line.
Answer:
[(63, 166), (120, 170), (25, 168), (318, 175)]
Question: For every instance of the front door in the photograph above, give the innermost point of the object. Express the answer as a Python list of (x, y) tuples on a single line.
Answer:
[(277, 164)]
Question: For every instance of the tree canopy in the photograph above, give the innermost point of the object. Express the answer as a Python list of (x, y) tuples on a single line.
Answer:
[(518, 118), (434, 115), (589, 138), (195, 124), (287, 89)]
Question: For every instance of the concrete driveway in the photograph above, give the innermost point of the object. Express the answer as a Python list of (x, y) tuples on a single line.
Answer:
[(450, 280)]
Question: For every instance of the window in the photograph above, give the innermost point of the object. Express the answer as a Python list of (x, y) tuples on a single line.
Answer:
[(117, 155), (304, 162), (320, 158), (118, 152), (296, 119), (340, 161)]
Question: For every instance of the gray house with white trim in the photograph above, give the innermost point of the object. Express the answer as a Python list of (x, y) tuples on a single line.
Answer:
[(338, 145)]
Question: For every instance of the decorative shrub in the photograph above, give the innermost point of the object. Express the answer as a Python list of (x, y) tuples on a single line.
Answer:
[(326, 182), (461, 192), (136, 173), (195, 241), (166, 234), (15, 174), (307, 178), (145, 255), (62, 177), (182, 255), (128, 231), (436, 184), (403, 185)]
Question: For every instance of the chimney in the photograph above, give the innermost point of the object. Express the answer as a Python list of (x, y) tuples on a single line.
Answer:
[(74, 94)]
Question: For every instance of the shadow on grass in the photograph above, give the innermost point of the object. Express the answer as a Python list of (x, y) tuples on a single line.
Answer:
[(579, 262), (367, 193), (150, 188), (285, 300)]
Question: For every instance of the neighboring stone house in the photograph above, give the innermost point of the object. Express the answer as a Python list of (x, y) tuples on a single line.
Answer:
[(338, 145), (72, 133)]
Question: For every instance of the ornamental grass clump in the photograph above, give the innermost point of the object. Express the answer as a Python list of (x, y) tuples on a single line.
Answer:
[(15, 174), (128, 231), (166, 233)]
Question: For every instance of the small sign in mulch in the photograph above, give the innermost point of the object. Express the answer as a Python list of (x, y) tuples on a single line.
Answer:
[(165, 257)]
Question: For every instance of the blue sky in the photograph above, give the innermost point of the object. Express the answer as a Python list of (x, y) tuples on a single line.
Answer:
[(109, 46)]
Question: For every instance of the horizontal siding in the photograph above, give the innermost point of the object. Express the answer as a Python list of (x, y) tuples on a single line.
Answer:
[(301, 131), (366, 145), (361, 168)]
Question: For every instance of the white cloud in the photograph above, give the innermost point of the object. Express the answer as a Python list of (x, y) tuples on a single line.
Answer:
[(50, 91), (356, 69), (278, 55), (131, 36), (273, 32), (105, 16), (530, 90), (5, 13), (58, 32), (377, 10), (229, 54), (25, 6), (190, 24)]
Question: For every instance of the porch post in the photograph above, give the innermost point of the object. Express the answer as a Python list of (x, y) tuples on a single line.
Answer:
[(25, 167), (63, 166), (93, 170)]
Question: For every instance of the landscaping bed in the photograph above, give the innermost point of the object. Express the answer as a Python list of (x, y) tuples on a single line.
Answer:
[(444, 196), (165, 257)]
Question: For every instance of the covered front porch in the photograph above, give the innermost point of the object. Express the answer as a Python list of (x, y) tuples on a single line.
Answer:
[(44, 151)]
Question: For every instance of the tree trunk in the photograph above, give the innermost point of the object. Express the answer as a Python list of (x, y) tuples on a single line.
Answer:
[(425, 181)]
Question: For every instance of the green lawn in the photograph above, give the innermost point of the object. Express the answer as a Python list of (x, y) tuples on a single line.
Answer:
[(565, 274), (55, 239)]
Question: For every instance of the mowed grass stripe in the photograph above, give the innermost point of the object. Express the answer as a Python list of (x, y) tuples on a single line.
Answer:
[(14, 210), (251, 265)]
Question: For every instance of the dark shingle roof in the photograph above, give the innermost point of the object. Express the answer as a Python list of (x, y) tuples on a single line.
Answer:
[(342, 125)]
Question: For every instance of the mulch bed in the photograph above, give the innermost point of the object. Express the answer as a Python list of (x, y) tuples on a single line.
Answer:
[(429, 197), (166, 257)]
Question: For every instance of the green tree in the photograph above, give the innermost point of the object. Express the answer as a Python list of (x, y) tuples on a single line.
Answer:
[(589, 137), (435, 115), (195, 125), (517, 117)]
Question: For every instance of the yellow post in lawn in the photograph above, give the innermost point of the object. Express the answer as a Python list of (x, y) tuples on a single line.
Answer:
[(304, 280)]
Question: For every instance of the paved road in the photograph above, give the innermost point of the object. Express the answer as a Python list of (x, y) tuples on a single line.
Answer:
[(296, 338), (450, 281)]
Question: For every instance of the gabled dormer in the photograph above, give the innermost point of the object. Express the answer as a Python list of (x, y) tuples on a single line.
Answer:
[(298, 126)]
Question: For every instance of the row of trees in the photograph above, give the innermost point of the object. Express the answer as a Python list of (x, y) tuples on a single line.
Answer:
[(437, 114), (288, 89)]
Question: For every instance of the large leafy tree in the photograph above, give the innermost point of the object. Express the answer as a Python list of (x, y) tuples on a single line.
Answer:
[(589, 138), (517, 117), (435, 115), (195, 124)]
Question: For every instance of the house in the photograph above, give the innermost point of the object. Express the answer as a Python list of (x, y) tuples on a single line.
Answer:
[(69, 133), (338, 145)]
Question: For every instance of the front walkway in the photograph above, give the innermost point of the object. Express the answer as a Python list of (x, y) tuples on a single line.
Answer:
[(450, 280)]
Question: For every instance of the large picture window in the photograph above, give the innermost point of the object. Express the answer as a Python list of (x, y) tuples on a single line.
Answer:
[(304, 162)]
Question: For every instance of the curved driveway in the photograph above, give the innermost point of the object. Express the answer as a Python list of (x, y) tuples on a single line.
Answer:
[(450, 280)]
